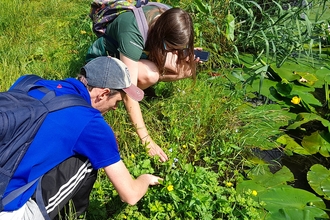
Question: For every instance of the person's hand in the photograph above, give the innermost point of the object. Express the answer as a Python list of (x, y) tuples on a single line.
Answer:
[(154, 149), (154, 180), (197, 60)]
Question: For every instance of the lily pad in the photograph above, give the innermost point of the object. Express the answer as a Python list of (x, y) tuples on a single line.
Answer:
[(306, 78), (316, 143), (323, 74), (269, 179), (303, 118), (293, 203), (285, 72), (309, 213), (319, 179), (283, 201), (307, 97), (292, 146)]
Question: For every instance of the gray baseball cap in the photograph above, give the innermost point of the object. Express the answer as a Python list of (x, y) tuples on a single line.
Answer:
[(110, 72)]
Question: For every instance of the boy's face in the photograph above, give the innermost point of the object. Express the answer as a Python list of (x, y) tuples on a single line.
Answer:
[(112, 102), (104, 101)]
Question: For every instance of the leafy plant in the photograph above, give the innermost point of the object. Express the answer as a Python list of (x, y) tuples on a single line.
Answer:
[(319, 179), (214, 28), (300, 91), (281, 200), (279, 30)]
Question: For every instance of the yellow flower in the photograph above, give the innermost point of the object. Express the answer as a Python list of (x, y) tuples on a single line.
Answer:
[(170, 188), (132, 156), (229, 184), (255, 193), (295, 100), (82, 32), (184, 146)]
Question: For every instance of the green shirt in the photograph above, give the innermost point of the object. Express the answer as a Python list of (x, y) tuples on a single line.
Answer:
[(124, 30)]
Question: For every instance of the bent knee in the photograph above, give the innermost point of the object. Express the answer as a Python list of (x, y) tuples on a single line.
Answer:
[(148, 74)]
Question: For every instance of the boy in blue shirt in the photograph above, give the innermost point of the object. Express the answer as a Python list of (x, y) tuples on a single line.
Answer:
[(73, 143)]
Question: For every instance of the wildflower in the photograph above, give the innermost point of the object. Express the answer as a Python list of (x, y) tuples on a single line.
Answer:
[(184, 146), (255, 193), (175, 161), (132, 156), (296, 100), (170, 188), (82, 32), (170, 150), (229, 184)]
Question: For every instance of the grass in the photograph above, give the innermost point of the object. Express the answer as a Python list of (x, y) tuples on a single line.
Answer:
[(44, 38)]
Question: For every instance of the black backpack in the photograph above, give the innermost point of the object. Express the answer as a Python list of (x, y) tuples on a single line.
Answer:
[(20, 118)]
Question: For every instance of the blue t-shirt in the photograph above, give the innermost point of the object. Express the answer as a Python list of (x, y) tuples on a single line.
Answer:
[(71, 131)]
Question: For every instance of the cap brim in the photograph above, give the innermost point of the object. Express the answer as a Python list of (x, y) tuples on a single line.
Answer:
[(134, 92)]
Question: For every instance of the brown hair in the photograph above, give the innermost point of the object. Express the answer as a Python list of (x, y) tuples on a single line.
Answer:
[(174, 26)]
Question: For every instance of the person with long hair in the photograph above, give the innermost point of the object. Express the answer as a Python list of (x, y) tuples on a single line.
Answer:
[(167, 55)]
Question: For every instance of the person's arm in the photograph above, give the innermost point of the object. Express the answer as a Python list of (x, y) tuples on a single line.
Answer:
[(130, 190), (135, 114), (173, 73)]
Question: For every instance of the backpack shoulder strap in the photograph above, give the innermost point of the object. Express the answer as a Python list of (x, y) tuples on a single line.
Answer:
[(63, 101), (26, 81), (58, 102), (13, 194), (141, 18), (141, 22)]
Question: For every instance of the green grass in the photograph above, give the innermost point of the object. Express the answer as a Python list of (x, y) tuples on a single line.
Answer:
[(42, 37)]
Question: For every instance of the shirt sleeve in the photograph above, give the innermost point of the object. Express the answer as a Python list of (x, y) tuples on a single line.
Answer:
[(125, 32), (98, 143), (131, 45)]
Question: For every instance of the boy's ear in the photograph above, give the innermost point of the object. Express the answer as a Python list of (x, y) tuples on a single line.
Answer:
[(105, 93)]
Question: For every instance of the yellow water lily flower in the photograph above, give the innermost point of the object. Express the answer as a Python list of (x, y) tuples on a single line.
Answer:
[(296, 100), (229, 184), (255, 193)]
